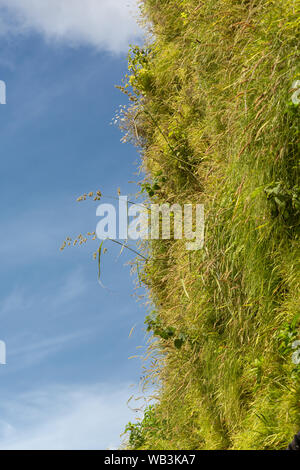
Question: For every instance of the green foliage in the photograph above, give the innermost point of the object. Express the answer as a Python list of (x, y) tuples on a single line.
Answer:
[(285, 202), (212, 114), (156, 186), (139, 431), (141, 77), (155, 325)]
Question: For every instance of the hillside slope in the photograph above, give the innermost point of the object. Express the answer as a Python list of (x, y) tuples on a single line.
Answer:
[(212, 113)]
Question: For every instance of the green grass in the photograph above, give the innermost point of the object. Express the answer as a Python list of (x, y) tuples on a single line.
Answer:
[(213, 118)]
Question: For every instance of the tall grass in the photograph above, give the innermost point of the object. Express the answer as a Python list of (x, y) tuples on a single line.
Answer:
[(212, 115)]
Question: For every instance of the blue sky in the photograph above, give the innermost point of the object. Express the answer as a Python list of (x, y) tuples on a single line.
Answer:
[(67, 377)]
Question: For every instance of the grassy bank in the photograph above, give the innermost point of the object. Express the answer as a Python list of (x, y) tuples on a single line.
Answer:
[(212, 115)]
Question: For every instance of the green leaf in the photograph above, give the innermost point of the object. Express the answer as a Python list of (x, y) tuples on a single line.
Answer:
[(178, 343)]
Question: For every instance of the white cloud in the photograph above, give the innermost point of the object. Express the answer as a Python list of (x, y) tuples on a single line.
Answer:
[(104, 24), (66, 417)]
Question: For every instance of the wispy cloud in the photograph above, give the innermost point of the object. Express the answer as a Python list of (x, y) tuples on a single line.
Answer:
[(67, 290), (34, 353), (13, 302), (66, 417), (28, 348), (104, 24), (35, 234), (74, 286)]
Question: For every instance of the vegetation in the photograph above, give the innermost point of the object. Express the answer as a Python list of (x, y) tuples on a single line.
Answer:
[(212, 115)]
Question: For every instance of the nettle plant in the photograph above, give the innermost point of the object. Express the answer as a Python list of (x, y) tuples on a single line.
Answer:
[(285, 202), (155, 325), (284, 194), (139, 431), (140, 76), (151, 188)]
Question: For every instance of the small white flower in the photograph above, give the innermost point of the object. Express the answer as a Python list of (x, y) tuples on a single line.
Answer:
[(296, 344)]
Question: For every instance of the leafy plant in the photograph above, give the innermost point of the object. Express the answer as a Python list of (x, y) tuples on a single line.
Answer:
[(285, 202), (155, 325), (156, 186), (138, 432)]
